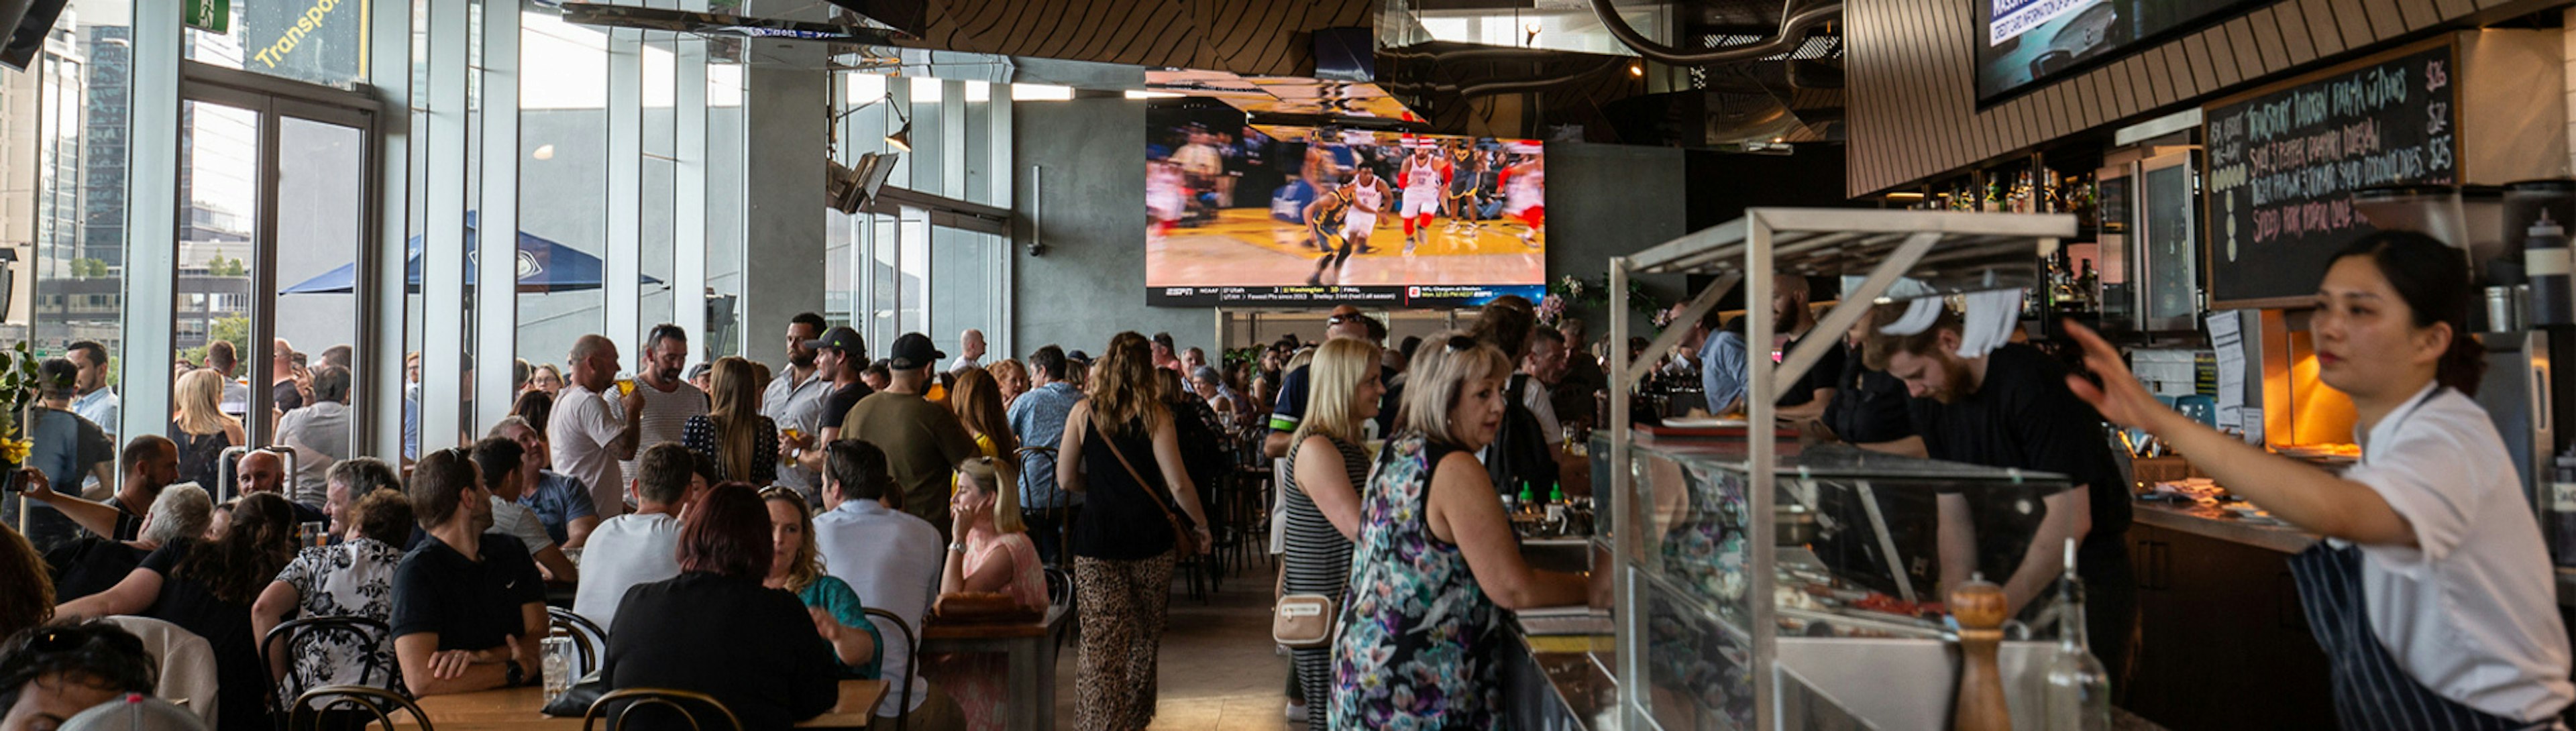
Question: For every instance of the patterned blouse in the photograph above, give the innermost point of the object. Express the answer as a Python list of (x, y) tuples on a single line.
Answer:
[(699, 435), (1418, 634), (352, 579)]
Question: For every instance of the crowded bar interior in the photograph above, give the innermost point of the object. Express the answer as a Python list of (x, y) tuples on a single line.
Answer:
[(1547, 365)]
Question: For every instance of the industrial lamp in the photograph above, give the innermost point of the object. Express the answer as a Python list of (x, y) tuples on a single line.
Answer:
[(901, 140)]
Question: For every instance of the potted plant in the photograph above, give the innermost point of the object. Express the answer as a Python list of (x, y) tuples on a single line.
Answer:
[(17, 391)]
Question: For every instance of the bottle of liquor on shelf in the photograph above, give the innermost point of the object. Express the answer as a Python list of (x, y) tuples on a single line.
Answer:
[(2078, 692)]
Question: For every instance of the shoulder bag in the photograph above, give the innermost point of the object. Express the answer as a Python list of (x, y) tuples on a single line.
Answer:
[(1301, 621), (1184, 540)]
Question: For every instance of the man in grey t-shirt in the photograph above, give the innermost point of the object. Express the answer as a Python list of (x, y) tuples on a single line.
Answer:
[(668, 399)]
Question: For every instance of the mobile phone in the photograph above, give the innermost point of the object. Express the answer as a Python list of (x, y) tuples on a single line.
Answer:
[(16, 481)]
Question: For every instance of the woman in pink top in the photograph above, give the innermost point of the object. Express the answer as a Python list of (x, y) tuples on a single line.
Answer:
[(993, 555)]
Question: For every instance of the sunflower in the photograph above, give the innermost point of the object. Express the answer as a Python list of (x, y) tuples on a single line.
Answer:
[(14, 451)]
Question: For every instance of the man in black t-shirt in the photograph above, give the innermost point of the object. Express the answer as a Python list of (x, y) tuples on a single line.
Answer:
[(1804, 401), (2011, 408), (469, 606), (838, 355), (150, 463)]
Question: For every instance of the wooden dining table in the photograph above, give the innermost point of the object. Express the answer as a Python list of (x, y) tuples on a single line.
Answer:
[(517, 709)]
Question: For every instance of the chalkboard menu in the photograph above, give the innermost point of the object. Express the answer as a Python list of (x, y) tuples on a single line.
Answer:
[(2284, 162)]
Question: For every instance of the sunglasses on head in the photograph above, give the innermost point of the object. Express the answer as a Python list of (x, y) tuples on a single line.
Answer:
[(1459, 343), (1339, 319)]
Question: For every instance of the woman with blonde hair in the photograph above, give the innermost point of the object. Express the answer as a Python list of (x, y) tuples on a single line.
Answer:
[(992, 555), (1320, 499), (1122, 452), (732, 435), (200, 427), (1435, 558), (797, 566)]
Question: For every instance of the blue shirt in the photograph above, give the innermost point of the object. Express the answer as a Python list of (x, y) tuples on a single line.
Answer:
[(892, 558), (100, 407), (1721, 370), (1037, 417), (558, 498), (1290, 409)]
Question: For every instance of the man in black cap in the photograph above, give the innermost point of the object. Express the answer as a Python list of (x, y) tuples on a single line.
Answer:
[(923, 442), (838, 357)]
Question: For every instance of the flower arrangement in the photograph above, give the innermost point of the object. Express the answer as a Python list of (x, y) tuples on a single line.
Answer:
[(1551, 310), (17, 389)]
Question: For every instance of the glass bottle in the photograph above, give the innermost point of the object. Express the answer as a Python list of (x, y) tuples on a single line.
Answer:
[(2078, 692)]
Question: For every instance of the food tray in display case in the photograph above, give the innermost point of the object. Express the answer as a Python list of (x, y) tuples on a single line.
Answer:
[(1857, 551)]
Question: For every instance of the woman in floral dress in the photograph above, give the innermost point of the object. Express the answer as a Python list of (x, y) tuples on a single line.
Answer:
[(1436, 558), (353, 578)]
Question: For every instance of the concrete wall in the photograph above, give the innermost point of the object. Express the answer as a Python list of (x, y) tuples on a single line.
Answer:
[(1612, 200), (1090, 283)]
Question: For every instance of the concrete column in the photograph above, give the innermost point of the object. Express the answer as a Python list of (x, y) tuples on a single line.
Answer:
[(783, 239)]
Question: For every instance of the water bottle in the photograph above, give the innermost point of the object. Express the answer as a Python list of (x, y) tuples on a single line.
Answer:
[(557, 655), (2545, 260), (2077, 693)]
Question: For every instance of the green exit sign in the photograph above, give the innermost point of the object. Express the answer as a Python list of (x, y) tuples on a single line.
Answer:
[(212, 16)]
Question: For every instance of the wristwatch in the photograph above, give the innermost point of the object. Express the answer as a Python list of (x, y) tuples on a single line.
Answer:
[(518, 675), (957, 547)]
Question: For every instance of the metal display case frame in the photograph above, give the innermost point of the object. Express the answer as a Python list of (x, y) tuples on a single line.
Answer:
[(1951, 252)]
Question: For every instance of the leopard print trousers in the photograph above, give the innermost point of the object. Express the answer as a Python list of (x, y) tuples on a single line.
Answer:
[(1123, 606)]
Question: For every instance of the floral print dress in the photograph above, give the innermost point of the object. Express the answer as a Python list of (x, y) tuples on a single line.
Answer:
[(1417, 638), (352, 579)]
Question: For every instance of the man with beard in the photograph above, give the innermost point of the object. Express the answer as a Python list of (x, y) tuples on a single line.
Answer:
[(2011, 408), (792, 396), (841, 356), (1805, 400), (668, 400), (468, 605)]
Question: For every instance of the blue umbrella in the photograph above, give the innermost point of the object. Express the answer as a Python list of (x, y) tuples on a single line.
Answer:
[(544, 266)]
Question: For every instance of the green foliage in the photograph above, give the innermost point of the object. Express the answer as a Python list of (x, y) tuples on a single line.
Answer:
[(235, 330), (18, 380)]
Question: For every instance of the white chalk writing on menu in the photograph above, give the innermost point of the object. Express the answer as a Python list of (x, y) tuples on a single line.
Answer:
[(2283, 166)]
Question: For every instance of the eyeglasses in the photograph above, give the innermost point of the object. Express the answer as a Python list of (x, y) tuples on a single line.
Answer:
[(1339, 319), (58, 640), (1459, 343)]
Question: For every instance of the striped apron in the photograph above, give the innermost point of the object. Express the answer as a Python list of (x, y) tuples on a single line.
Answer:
[(2371, 688)]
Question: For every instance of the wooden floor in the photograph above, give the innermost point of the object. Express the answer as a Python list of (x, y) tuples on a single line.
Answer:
[(1219, 670)]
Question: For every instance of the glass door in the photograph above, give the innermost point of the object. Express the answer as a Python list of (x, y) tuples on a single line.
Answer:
[(276, 188)]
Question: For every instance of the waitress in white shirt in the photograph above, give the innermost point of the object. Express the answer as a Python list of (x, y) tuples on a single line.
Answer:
[(2432, 593)]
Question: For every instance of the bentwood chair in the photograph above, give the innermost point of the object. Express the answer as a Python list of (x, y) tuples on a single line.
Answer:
[(699, 709), (313, 711), (911, 663), (589, 642), (367, 632)]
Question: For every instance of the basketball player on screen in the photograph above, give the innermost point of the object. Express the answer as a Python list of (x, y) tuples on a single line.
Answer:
[(1465, 167), (1361, 200), (1425, 174), (1524, 196)]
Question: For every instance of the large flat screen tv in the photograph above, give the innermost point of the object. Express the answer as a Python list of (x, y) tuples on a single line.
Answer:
[(1251, 216), (2026, 42)]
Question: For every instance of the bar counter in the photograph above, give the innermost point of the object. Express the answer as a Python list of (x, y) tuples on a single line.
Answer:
[(2212, 522)]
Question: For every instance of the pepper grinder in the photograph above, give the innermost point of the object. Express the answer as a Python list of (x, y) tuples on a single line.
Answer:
[(1978, 605)]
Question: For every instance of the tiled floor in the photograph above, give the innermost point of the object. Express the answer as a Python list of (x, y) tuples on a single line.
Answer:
[(1218, 669)]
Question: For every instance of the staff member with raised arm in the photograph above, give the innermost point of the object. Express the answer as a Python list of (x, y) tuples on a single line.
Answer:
[(2432, 593)]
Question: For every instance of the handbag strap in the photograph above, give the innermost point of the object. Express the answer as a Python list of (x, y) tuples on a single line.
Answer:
[(1112, 443)]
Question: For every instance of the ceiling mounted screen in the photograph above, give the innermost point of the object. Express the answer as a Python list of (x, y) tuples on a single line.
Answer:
[(2026, 42)]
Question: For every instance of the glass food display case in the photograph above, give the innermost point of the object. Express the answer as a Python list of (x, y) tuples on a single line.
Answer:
[(1860, 546), (1763, 585)]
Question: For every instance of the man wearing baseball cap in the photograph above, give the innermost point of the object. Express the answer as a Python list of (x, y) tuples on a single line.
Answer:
[(923, 441), (838, 357)]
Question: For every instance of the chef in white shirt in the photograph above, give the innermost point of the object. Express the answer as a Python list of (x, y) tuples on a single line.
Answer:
[(2432, 593)]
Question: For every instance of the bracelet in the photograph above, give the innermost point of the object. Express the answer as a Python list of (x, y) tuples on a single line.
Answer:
[(957, 548)]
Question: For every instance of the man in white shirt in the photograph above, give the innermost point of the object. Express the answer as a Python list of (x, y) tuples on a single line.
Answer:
[(588, 434), (791, 398), (970, 351), (319, 434), (224, 360), (891, 558), (498, 460), (641, 546), (667, 399), (96, 401)]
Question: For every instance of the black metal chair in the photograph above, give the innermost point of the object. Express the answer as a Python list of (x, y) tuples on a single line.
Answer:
[(1060, 593), (312, 709), (1063, 527), (911, 663), (588, 640), (367, 631), (619, 705)]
